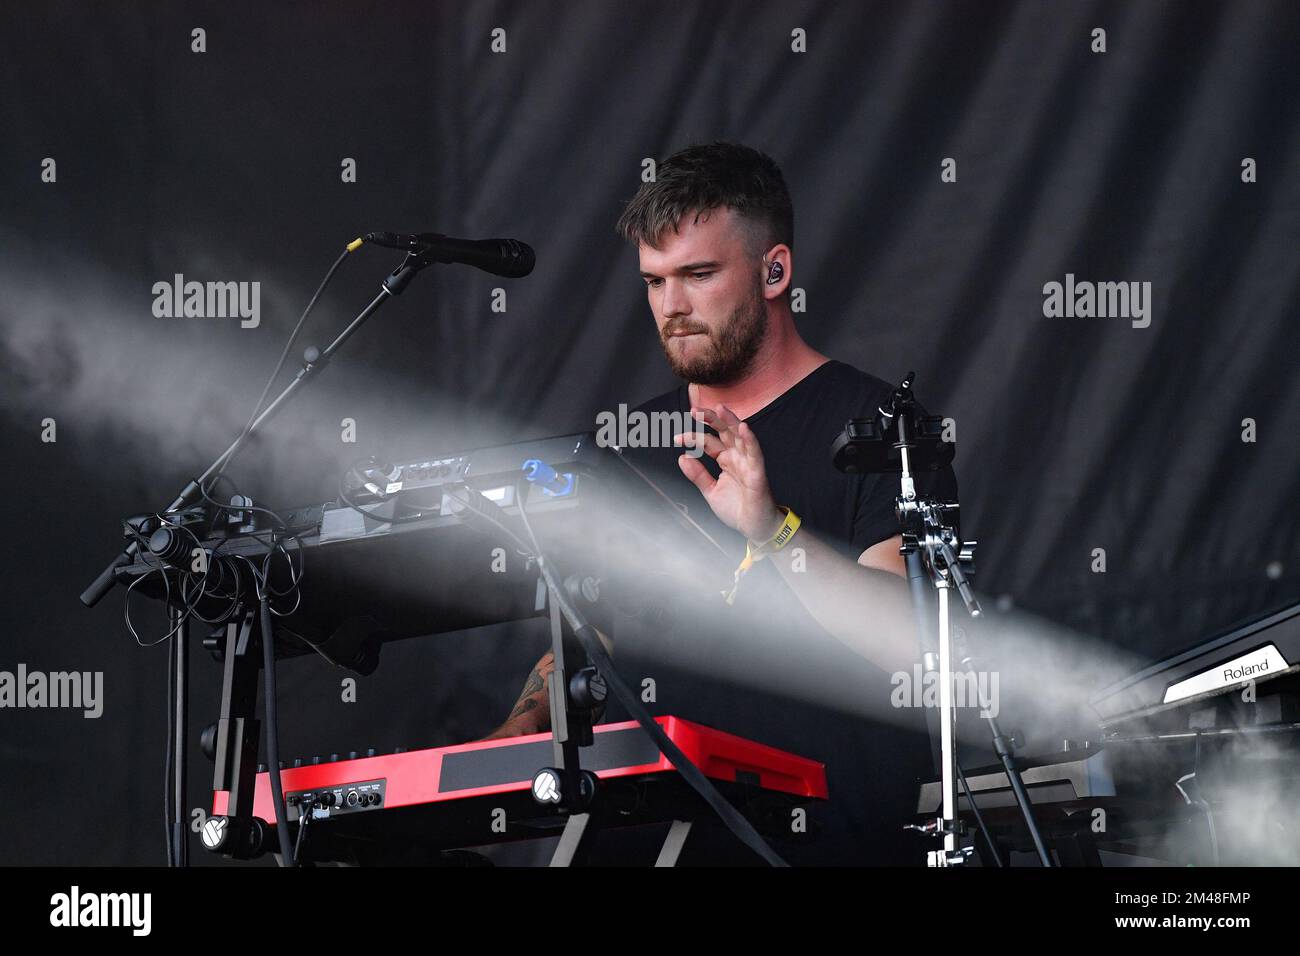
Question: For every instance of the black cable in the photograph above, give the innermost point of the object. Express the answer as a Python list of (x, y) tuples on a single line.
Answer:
[(285, 354), (734, 821), (213, 558), (188, 606), (979, 817), (191, 608), (145, 555), (171, 736), (481, 511), (304, 816), (225, 507), (275, 542), (219, 474), (346, 499), (126, 606), (273, 733), (234, 488)]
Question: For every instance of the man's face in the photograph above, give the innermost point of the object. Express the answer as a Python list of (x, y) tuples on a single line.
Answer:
[(705, 290)]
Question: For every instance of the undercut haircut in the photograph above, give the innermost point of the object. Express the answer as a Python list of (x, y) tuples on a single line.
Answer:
[(699, 179)]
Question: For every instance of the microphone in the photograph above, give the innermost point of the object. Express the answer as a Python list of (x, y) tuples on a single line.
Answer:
[(502, 257)]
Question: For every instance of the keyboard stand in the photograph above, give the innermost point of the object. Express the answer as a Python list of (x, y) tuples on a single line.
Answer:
[(580, 831)]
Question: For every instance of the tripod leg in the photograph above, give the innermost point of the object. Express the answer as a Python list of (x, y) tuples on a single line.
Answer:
[(575, 841), (673, 843)]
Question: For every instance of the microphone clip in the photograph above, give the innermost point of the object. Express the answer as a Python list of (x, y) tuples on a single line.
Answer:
[(401, 277)]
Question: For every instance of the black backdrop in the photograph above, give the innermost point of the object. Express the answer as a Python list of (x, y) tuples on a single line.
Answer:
[(1073, 433)]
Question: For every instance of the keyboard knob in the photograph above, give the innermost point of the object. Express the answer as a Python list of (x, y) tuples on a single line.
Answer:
[(315, 760), (352, 755), (261, 768), (371, 752), (297, 761), (334, 758), (399, 750)]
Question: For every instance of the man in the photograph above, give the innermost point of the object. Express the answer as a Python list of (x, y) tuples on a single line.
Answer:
[(715, 235)]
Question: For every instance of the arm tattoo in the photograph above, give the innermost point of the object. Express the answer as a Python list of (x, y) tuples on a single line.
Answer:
[(523, 707), (534, 687), (534, 683)]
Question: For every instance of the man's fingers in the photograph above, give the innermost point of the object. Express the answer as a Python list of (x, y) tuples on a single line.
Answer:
[(714, 420), (706, 415), (736, 462), (698, 475), (740, 454), (733, 463), (711, 444), (744, 452), (749, 444), (728, 418)]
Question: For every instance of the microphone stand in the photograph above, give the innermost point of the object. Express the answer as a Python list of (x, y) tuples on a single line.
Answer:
[(931, 548), (314, 361), (238, 835), (929, 544)]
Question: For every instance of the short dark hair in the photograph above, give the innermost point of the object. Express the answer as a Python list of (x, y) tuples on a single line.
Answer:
[(705, 177)]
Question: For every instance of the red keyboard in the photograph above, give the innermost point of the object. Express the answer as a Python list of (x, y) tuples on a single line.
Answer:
[(479, 793)]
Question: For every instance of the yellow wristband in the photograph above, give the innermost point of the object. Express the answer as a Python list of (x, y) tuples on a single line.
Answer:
[(756, 553), (779, 540)]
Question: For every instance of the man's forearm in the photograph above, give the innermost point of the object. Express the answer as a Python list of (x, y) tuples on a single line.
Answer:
[(867, 609), (531, 713)]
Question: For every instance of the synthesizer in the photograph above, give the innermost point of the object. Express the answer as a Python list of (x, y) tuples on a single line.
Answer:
[(477, 794), (1199, 745), (1257, 651), (437, 548)]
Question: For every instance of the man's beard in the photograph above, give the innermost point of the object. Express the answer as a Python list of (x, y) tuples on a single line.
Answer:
[(732, 347)]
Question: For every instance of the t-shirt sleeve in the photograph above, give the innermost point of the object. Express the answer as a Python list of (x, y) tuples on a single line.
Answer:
[(874, 519)]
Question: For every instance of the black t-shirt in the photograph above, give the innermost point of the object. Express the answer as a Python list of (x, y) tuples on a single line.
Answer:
[(764, 669)]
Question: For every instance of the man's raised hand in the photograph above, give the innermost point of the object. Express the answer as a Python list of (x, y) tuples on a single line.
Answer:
[(740, 496)]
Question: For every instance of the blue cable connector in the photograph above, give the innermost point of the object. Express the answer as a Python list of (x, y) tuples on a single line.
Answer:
[(552, 482)]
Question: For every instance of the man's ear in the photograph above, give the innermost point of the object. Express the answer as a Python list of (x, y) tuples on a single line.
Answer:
[(776, 271)]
